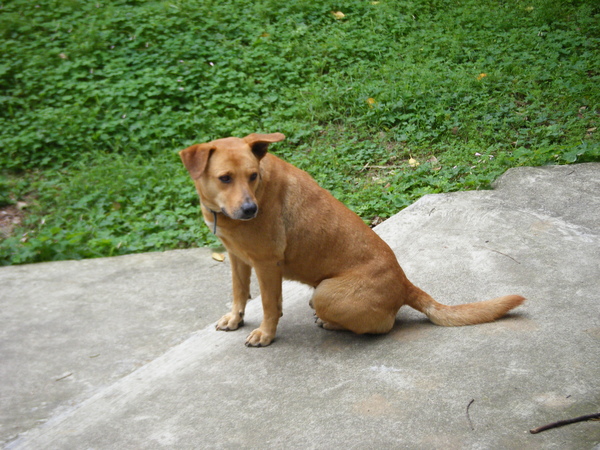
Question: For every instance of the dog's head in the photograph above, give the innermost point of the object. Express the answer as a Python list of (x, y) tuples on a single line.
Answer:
[(227, 174)]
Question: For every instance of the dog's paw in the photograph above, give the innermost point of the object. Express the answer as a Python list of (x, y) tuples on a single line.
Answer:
[(230, 322), (328, 325), (258, 338)]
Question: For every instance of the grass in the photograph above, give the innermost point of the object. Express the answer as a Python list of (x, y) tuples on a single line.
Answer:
[(97, 98)]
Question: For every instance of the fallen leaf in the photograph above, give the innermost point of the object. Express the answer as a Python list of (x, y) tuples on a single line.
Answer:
[(218, 257), (338, 14), (371, 101), (412, 162)]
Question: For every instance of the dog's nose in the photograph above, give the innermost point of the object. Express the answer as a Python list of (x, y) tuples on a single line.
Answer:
[(249, 210)]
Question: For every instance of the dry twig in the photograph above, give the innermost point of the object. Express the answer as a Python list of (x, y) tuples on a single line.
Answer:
[(64, 376), (469, 417), (562, 423)]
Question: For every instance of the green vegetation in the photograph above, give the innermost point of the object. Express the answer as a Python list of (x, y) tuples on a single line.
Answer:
[(97, 97)]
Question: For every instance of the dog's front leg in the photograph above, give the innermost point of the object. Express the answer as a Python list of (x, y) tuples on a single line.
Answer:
[(240, 273), (269, 278)]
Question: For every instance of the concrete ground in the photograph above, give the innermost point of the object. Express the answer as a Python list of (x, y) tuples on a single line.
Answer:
[(122, 352)]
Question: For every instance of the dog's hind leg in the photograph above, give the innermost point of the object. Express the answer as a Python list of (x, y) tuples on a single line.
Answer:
[(345, 304)]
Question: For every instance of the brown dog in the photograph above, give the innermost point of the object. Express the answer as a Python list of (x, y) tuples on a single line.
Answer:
[(273, 217)]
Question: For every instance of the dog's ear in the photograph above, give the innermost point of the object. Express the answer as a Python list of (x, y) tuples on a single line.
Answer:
[(195, 158), (260, 142)]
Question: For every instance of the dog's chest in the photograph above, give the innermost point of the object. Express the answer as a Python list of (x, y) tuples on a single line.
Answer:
[(249, 245)]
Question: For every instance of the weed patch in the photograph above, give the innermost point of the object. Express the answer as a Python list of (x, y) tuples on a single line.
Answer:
[(383, 103)]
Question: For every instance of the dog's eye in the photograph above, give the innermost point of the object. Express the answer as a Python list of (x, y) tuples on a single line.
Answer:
[(253, 176), (225, 179)]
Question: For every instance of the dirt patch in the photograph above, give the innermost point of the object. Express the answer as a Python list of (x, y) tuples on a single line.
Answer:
[(11, 216)]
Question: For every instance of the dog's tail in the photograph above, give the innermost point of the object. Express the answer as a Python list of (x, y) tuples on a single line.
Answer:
[(459, 315)]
